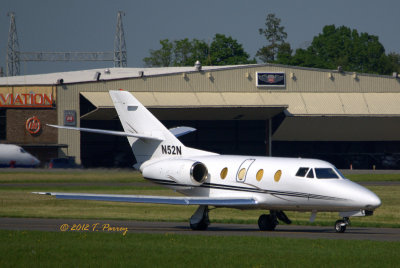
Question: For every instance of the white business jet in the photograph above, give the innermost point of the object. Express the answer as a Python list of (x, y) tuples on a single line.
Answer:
[(243, 182), (15, 156)]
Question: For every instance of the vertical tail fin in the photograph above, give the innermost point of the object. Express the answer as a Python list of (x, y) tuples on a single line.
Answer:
[(136, 119)]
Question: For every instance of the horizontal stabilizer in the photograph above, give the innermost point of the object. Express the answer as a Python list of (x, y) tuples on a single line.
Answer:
[(180, 131), (172, 200), (111, 132)]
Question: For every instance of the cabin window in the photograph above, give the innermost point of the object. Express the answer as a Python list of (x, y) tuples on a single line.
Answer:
[(302, 171), (326, 173), (260, 174), (310, 174), (242, 174), (224, 172), (278, 175)]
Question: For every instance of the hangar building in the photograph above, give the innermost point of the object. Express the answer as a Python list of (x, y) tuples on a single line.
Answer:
[(263, 109)]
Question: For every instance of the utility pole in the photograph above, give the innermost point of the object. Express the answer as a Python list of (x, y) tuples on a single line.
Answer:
[(14, 56), (120, 54)]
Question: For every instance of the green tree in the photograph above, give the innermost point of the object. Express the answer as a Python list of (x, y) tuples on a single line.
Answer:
[(201, 52), (394, 59), (227, 51), (186, 52), (284, 54), (160, 57), (276, 36), (346, 48), (222, 51)]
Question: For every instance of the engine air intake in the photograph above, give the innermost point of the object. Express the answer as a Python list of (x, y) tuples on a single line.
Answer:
[(199, 172)]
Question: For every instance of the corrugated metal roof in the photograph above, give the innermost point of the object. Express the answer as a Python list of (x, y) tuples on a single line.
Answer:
[(353, 103), (383, 103), (105, 74), (99, 99), (337, 128), (298, 104), (338, 104), (188, 106), (185, 99)]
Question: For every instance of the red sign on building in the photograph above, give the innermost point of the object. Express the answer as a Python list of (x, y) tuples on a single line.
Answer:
[(26, 100), (33, 125)]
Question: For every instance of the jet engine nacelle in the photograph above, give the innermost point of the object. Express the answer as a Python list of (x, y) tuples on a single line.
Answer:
[(182, 171)]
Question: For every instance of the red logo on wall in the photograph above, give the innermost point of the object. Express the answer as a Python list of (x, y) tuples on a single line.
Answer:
[(70, 118), (33, 125)]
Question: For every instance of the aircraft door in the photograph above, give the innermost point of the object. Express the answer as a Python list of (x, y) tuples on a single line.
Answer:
[(243, 170)]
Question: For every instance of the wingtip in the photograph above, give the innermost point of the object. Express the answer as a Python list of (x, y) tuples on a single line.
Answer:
[(42, 193)]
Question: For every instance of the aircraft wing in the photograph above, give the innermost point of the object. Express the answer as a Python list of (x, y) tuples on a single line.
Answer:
[(172, 200), (111, 132)]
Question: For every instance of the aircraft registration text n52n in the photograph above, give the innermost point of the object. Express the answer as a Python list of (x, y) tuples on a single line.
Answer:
[(171, 149)]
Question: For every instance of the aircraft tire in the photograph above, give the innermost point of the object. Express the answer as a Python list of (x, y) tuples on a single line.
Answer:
[(340, 226), (201, 226), (266, 222)]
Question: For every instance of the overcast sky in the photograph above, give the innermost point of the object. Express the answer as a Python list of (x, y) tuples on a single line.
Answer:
[(89, 25)]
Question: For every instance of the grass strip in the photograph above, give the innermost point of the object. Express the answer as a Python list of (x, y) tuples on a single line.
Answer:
[(69, 176), (373, 177), (91, 249)]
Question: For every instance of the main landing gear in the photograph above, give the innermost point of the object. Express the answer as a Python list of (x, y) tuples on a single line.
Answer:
[(268, 222), (340, 225), (200, 221)]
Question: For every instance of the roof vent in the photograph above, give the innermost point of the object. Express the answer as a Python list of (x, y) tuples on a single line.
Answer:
[(97, 76), (197, 65), (395, 75)]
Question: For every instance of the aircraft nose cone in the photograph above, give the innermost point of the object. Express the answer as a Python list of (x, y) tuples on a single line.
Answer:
[(35, 161), (373, 201), (363, 197)]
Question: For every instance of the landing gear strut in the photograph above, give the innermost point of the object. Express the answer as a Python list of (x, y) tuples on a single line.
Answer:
[(199, 220), (340, 225), (268, 222)]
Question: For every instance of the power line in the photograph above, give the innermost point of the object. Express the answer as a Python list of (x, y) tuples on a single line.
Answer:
[(14, 56)]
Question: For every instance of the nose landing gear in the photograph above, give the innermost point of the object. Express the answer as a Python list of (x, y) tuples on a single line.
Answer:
[(340, 225)]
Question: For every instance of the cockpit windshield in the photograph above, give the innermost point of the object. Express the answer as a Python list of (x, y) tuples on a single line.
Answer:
[(340, 173), (326, 173), (302, 171), (319, 173), (22, 150)]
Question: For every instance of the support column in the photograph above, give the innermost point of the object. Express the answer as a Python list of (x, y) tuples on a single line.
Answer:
[(268, 138)]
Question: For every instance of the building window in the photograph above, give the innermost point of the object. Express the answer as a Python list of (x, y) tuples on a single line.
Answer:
[(3, 121)]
